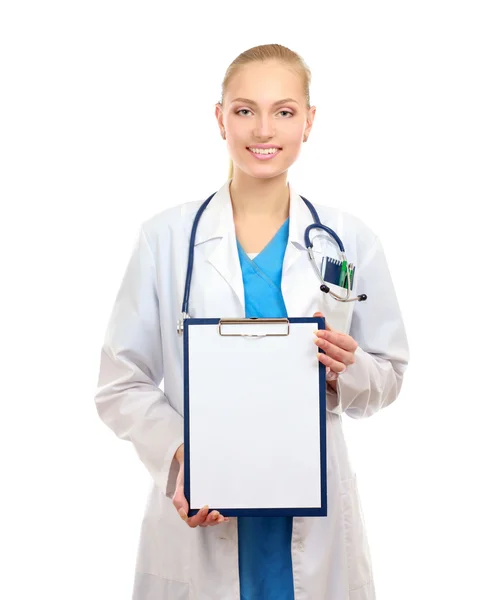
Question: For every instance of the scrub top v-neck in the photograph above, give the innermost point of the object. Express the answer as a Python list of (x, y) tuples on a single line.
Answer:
[(264, 543)]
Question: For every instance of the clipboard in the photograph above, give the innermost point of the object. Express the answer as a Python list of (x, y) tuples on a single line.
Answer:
[(254, 417)]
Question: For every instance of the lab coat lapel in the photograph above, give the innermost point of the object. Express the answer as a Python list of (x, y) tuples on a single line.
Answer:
[(217, 222)]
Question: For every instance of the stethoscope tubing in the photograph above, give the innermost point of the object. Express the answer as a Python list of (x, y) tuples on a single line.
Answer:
[(316, 225)]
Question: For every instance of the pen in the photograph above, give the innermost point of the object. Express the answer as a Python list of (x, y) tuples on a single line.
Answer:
[(342, 277)]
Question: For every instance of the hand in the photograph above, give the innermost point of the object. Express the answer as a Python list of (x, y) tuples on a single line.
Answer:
[(203, 519), (339, 348)]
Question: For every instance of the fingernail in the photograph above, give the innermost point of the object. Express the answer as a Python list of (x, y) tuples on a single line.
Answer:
[(216, 515), (205, 507), (182, 514)]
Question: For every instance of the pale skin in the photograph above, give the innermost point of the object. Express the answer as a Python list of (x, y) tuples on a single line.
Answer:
[(260, 195)]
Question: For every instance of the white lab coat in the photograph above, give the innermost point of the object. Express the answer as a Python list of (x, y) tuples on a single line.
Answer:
[(330, 555)]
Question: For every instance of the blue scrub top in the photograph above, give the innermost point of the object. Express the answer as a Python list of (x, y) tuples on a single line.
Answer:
[(265, 560)]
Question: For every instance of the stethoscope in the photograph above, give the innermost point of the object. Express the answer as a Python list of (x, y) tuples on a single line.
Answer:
[(309, 246)]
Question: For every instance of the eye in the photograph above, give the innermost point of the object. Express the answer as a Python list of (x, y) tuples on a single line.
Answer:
[(247, 110)]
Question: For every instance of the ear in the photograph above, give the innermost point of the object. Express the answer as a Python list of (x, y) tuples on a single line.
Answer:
[(311, 113), (218, 113)]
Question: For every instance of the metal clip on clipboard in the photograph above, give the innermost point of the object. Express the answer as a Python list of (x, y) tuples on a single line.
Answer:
[(254, 321)]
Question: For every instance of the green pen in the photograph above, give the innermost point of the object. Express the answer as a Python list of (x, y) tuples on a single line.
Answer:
[(351, 273), (344, 272)]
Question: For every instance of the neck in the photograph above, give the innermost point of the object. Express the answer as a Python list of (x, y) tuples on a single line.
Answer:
[(266, 198)]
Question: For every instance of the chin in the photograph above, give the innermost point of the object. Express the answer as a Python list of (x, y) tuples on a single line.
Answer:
[(270, 174)]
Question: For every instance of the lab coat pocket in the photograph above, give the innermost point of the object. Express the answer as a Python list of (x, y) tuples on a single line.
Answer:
[(355, 540), (164, 546), (338, 314)]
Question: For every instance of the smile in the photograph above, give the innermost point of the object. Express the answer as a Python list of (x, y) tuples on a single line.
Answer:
[(264, 153)]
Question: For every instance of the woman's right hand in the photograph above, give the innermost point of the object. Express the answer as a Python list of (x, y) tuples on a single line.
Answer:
[(202, 518)]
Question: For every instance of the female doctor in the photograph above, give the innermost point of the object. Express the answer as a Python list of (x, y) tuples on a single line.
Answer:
[(250, 260)]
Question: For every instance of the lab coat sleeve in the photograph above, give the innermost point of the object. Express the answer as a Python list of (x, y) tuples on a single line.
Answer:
[(375, 379), (128, 399)]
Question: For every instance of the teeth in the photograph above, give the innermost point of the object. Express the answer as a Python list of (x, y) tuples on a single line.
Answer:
[(264, 150)]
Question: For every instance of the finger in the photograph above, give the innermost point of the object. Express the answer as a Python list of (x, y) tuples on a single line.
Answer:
[(199, 518), (212, 518), (346, 342), (208, 520), (347, 358), (328, 361), (221, 519)]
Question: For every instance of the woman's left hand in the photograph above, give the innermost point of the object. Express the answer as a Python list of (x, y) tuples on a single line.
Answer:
[(339, 348)]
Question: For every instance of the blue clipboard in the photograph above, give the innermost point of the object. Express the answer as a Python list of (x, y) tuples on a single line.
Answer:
[(320, 507)]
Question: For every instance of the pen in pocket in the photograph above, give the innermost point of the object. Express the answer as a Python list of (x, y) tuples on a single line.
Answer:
[(343, 274)]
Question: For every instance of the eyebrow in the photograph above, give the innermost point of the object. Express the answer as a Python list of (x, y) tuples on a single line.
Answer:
[(248, 101)]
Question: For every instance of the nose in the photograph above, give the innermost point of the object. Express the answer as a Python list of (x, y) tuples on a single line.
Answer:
[(264, 127)]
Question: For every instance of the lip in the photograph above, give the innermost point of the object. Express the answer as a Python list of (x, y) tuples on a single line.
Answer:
[(264, 156)]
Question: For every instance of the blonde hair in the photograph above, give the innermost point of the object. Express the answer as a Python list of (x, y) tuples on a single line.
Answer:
[(264, 53)]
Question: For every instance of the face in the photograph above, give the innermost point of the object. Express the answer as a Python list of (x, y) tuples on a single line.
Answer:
[(253, 114)]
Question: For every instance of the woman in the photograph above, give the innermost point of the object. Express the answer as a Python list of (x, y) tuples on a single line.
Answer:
[(249, 260)]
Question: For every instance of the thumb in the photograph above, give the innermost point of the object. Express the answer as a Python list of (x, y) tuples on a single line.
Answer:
[(319, 314)]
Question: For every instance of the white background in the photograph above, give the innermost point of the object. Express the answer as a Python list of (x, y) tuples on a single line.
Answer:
[(106, 118)]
